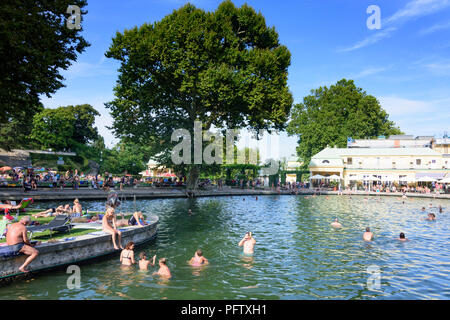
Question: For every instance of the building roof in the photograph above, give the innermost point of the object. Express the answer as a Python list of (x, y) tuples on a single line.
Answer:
[(337, 153)]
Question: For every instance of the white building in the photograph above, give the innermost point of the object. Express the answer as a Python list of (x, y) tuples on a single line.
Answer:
[(401, 165)]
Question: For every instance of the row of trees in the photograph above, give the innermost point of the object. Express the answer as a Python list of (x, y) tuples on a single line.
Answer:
[(225, 68)]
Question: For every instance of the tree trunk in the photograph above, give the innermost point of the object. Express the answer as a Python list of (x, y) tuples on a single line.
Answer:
[(192, 181)]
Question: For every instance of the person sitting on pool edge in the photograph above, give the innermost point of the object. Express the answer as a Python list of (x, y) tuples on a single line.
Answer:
[(143, 262), (198, 259), (336, 224), (137, 219), (163, 271), (109, 226), (127, 254), (248, 242), (17, 236), (368, 236)]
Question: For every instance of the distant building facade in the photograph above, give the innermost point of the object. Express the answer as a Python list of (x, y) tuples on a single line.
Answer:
[(389, 164)]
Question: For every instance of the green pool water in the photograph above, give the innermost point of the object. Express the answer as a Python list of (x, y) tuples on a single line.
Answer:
[(297, 255)]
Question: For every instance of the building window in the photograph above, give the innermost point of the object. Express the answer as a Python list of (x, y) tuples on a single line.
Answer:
[(418, 162), (393, 164), (433, 161), (349, 161)]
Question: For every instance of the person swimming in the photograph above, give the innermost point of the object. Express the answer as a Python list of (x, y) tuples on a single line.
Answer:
[(248, 242), (431, 217), (440, 209), (163, 269), (198, 259), (402, 237), (368, 235), (127, 254), (144, 263), (336, 224)]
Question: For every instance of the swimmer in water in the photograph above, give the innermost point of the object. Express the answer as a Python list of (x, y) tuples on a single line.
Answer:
[(144, 263), (402, 237), (336, 224), (248, 242), (198, 259), (440, 209), (431, 217), (423, 209), (368, 236), (163, 271)]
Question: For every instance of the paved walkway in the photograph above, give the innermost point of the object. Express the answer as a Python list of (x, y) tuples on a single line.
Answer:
[(149, 193)]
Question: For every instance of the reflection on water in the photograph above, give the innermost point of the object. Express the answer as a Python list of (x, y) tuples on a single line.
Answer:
[(298, 255)]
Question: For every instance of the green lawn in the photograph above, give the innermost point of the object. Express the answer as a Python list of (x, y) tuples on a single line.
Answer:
[(45, 236)]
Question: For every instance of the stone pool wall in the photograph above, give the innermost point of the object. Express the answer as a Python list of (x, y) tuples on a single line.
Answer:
[(84, 247)]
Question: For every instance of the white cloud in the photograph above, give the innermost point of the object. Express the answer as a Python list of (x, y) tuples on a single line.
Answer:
[(396, 106), (368, 72), (412, 9), (416, 8), (434, 28), (370, 40)]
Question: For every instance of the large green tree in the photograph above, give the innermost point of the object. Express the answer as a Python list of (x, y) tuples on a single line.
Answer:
[(64, 127), (329, 115), (126, 157), (35, 45), (225, 68)]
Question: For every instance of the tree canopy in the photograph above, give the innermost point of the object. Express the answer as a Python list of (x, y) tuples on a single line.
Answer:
[(329, 115), (64, 127), (35, 45), (225, 68)]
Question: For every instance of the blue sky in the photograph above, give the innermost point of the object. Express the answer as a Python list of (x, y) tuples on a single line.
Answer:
[(405, 64)]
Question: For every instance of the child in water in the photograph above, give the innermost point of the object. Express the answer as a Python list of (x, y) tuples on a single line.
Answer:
[(143, 262), (198, 259), (163, 269)]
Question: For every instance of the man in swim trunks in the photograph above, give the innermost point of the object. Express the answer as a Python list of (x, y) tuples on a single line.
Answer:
[(248, 242), (17, 235), (198, 259), (368, 236), (336, 224)]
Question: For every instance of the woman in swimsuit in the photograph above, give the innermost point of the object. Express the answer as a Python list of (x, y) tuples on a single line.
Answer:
[(198, 259), (109, 226), (127, 254)]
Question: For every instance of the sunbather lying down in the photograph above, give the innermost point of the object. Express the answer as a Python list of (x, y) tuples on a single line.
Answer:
[(9, 206), (53, 211)]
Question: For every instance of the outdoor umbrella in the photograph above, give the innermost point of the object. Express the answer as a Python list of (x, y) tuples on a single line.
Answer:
[(169, 175), (317, 176), (334, 177), (3, 169), (445, 180)]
